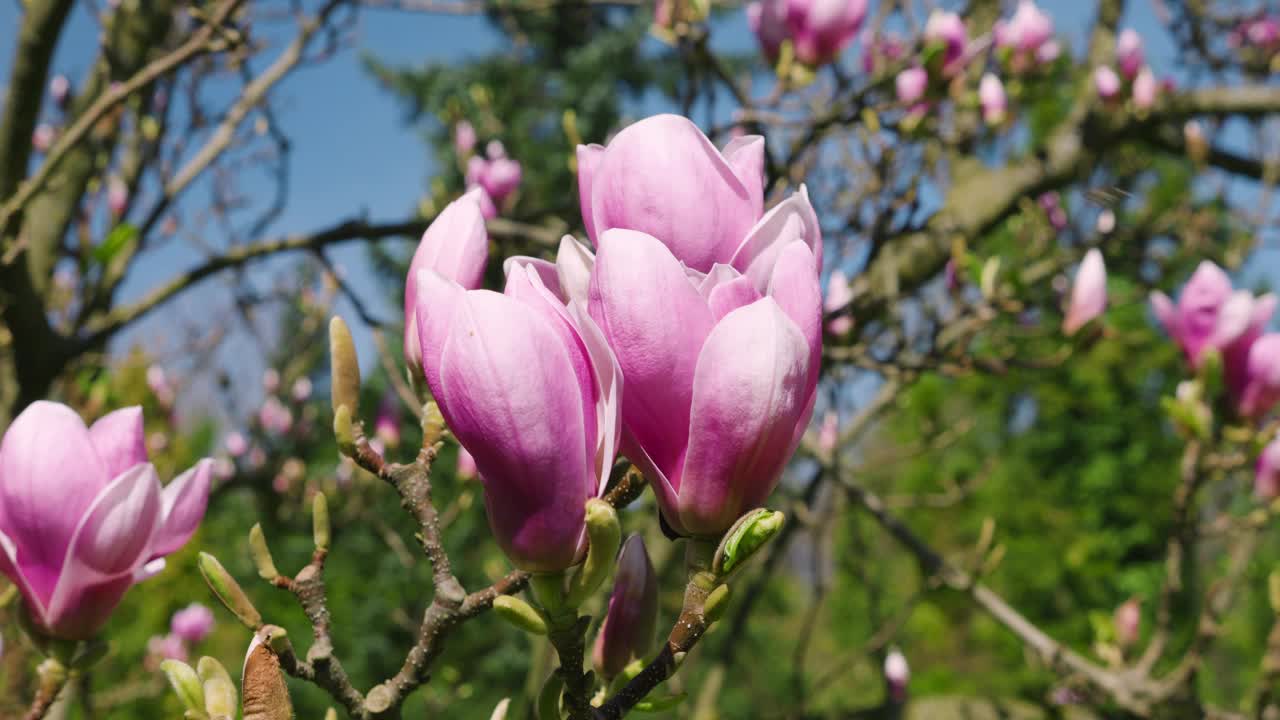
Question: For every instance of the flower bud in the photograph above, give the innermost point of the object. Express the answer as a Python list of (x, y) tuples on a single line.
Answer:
[(186, 685), (262, 559), (192, 623), (344, 368), (320, 529), (1145, 89), (628, 628), (992, 99), (228, 591), (605, 535), (896, 675), (747, 536), (265, 695), (1129, 53), (1088, 293), (1106, 83), (520, 614), (911, 85), (1128, 620)]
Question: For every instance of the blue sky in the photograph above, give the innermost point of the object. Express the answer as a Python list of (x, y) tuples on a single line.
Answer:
[(354, 154)]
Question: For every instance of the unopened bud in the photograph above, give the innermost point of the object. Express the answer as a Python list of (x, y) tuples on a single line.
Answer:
[(605, 535), (520, 614), (228, 591), (500, 710), (748, 535), (343, 432), (186, 685), (320, 530), (262, 554), (265, 695), (345, 368)]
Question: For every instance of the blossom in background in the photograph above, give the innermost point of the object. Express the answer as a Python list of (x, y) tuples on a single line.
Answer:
[(464, 138), (839, 294), (117, 196), (42, 137), (498, 175), (192, 623), (386, 425), (1106, 82), (946, 30), (1129, 53), (1027, 38), (274, 417), (627, 631), (879, 49), (85, 516), (911, 85), (829, 432), (1145, 89), (1211, 315), (992, 99), (236, 444), (819, 30), (1088, 293), (1051, 204), (165, 647), (1128, 622), (271, 380), (897, 674), (60, 91)]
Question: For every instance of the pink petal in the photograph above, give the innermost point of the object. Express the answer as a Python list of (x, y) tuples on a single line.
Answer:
[(573, 265), (49, 474), (792, 219), (729, 296), (455, 245), (512, 400), (656, 322), (184, 500), (589, 157), (746, 156), (111, 541), (749, 395), (608, 377), (1088, 293), (437, 299), (120, 439)]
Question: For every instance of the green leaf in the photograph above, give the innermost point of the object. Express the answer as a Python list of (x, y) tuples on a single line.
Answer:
[(116, 240)]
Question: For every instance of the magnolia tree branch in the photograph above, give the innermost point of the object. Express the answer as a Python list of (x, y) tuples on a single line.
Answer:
[(209, 38)]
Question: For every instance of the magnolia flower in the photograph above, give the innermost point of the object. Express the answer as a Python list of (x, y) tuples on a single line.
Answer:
[(60, 90), (387, 423), (768, 20), (947, 30), (1088, 293), (83, 515), (829, 433), (911, 85), (879, 49), (271, 380), (1128, 621), (192, 623), (236, 444), (992, 99), (896, 675), (456, 246), (498, 174), (821, 29), (42, 137), (1027, 37), (1266, 480), (1129, 54), (117, 196), (629, 622), (464, 138), (839, 294), (1145, 89), (1211, 315), (1106, 82), (166, 647), (529, 386), (274, 417), (1259, 389)]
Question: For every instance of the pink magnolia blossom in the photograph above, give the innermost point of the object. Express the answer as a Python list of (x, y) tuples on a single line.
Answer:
[(456, 246), (821, 29), (992, 99), (117, 196), (897, 673), (166, 647), (1210, 314), (768, 20), (1128, 622), (498, 174), (1106, 82), (1088, 293), (192, 623), (721, 368), (628, 628), (42, 138), (947, 29), (83, 515), (529, 386), (829, 433), (274, 417), (387, 423), (1027, 37), (236, 444), (1145, 89), (464, 138), (839, 294), (911, 85), (1129, 53)]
